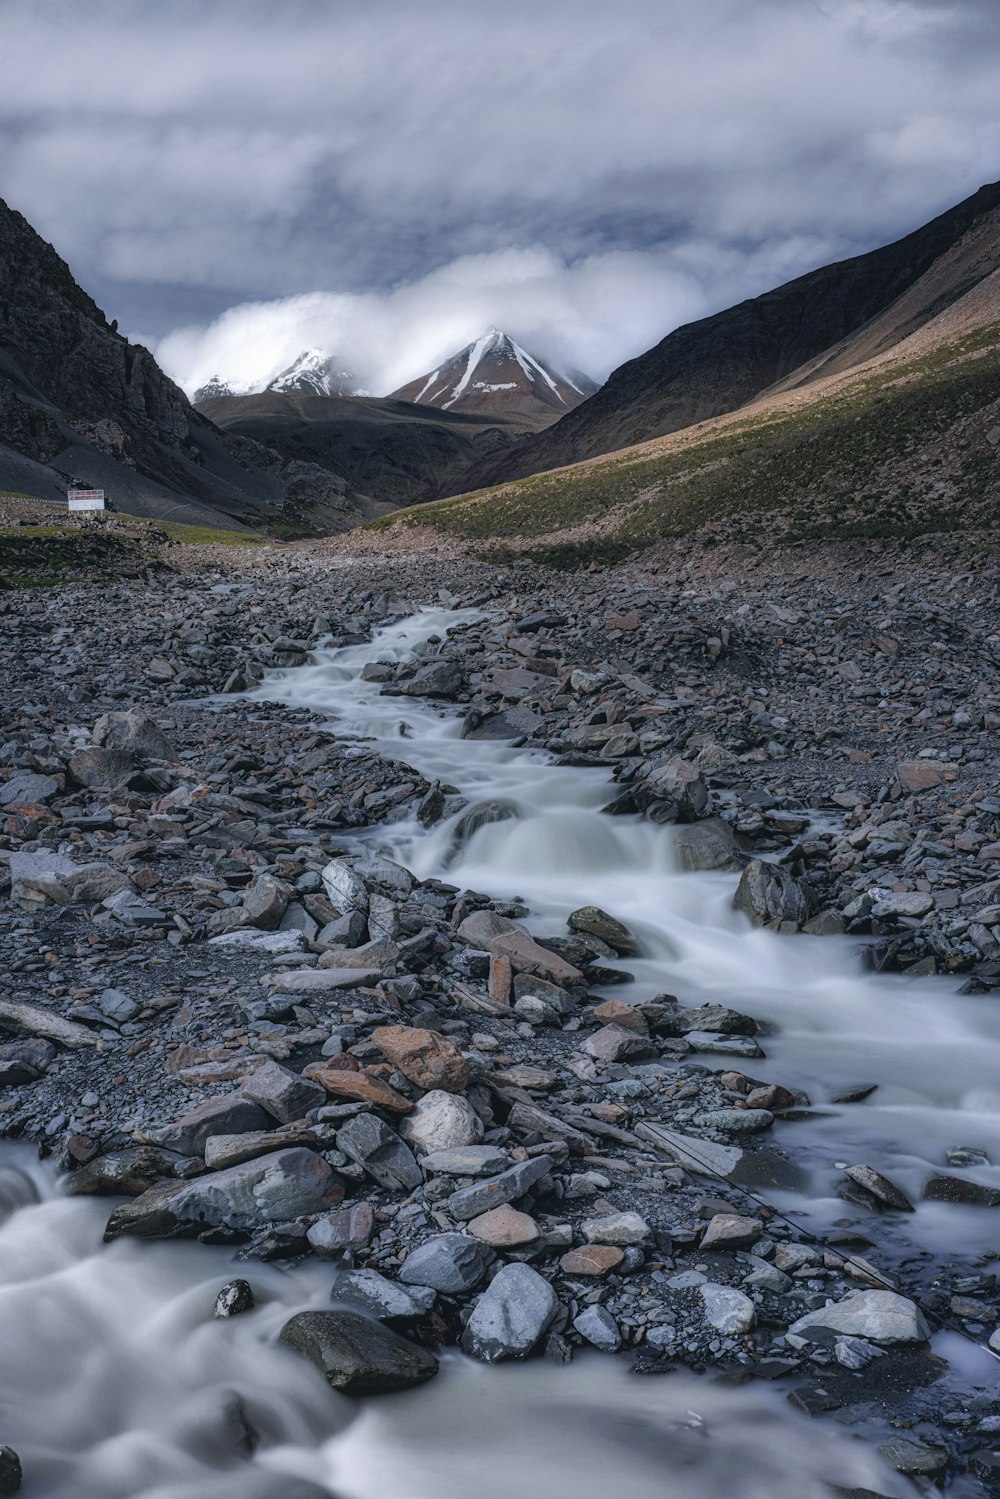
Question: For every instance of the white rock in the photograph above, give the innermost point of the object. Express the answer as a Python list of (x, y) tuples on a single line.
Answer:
[(616, 1228), (442, 1121), (882, 1316), (728, 1310)]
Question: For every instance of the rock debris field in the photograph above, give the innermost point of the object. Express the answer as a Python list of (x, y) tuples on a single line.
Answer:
[(239, 1023)]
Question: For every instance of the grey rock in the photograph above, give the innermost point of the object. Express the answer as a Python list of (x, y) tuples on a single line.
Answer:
[(737, 1121), (346, 1229), (468, 1160), (767, 893), (438, 679), (27, 788), (671, 790), (374, 1294), (282, 1093), (370, 1142), (881, 1316), (117, 1006), (102, 767), (230, 1114), (510, 1316), (235, 1297), (272, 1189), (356, 1355), (710, 844), (596, 1324), (469, 1202), (346, 889), (134, 731), (11, 1476), (880, 1187), (597, 923), (451, 1263)]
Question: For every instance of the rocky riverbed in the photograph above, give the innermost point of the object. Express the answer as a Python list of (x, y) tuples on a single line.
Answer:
[(229, 1010)]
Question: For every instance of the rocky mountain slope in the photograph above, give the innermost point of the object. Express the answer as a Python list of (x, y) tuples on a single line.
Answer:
[(80, 404), (395, 450), (906, 444), (495, 375), (830, 320)]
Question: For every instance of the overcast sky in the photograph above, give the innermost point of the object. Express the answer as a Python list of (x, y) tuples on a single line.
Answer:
[(237, 180)]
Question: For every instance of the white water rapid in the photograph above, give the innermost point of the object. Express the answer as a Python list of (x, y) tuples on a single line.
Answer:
[(116, 1383)]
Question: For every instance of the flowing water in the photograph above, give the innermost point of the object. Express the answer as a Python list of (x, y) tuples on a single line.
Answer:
[(116, 1383)]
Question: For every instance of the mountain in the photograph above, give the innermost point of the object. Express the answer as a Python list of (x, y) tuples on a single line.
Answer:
[(313, 373), (891, 429), (316, 374), (395, 450), (495, 375), (80, 404), (819, 323)]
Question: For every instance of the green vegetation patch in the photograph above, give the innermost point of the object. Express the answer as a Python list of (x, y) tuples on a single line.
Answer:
[(892, 455)]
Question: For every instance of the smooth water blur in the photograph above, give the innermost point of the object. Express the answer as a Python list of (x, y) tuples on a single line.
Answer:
[(116, 1382), (832, 1025)]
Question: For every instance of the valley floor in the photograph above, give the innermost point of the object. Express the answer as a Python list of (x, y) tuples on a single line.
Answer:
[(196, 910)]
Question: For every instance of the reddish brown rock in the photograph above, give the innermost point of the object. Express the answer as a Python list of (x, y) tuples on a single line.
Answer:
[(427, 1059), (359, 1085), (592, 1259), (731, 1231), (504, 1227), (617, 1012)]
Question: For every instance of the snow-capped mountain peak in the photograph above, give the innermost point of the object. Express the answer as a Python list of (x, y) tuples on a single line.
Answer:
[(313, 373), (317, 374), (496, 374)]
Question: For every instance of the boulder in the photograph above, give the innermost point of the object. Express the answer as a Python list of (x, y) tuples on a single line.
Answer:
[(356, 1355), (622, 1229), (437, 679), (726, 1309), (370, 1142), (230, 1114), (450, 1263), (26, 788), (345, 887), (592, 1260), (469, 1202), (613, 1043), (424, 1057), (470, 1160), (597, 923), (102, 767), (599, 1328), (442, 1122), (282, 1093), (358, 1085), (767, 893), (504, 1227), (511, 1315), (671, 790), (880, 1316), (346, 1229), (710, 844), (369, 1292), (135, 732), (731, 1231), (274, 1189)]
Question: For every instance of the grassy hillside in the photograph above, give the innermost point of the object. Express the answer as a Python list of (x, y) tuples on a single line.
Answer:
[(901, 448)]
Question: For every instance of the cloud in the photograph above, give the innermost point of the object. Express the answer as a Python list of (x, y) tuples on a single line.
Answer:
[(632, 163), (588, 315)]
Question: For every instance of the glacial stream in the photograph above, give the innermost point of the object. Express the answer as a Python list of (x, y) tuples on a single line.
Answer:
[(116, 1383)]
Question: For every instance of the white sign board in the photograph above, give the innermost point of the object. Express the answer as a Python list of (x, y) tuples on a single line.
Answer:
[(85, 499)]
